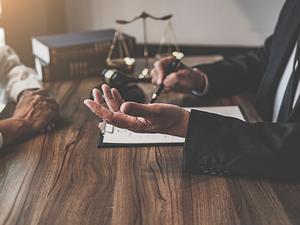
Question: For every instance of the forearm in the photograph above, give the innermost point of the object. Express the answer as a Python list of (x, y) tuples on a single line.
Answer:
[(218, 145), (13, 129)]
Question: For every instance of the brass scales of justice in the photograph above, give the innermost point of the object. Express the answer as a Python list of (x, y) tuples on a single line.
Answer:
[(125, 61)]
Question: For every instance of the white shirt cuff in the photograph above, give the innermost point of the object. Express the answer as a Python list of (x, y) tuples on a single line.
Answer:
[(206, 86), (1, 140), (22, 85)]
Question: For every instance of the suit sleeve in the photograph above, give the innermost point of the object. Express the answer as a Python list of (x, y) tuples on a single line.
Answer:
[(218, 145), (239, 73)]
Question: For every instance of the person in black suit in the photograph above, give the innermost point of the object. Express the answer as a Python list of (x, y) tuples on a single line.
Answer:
[(218, 145)]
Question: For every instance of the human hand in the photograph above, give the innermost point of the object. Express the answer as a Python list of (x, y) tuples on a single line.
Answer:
[(36, 110), (139, 118), (183, 80)]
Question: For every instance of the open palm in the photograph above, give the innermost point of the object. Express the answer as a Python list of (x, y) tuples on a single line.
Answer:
[(149, 118)]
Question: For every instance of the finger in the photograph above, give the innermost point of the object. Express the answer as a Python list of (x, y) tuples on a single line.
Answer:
[(117, 96), (139, 110), (160, 72), (48, 102), (46, 123), (52, 102), (154, 81), (116, 119), (112, 104), (171, 80), (52, 105), (176, 77), (101, 126), (183, 73), (167, 89), (97, 96), (160, 68), (98, 110), (153, 75), (185, 81)]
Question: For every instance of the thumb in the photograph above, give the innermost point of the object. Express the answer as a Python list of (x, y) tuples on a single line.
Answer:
[(138, 110)]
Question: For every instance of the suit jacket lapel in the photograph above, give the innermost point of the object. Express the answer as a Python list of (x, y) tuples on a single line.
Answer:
[(296, 109), (283, 42)]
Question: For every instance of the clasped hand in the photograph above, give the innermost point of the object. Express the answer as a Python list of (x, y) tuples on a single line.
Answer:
[(140, 118), (36, 110)]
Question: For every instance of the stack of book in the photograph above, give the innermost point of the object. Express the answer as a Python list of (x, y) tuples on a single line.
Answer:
[(74, 55)]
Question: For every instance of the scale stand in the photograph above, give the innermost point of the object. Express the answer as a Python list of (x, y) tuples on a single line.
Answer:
[(125, 61)]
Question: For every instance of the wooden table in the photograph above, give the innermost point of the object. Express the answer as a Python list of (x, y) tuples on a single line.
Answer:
[(61, 178)]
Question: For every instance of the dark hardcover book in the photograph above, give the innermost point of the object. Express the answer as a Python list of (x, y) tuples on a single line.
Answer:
[(68, 70), (56, 48)]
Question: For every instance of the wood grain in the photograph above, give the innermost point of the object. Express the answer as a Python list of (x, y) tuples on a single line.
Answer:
[(61, 178)]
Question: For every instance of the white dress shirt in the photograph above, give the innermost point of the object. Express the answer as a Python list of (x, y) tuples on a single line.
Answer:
[(283, 85), (14, 78)]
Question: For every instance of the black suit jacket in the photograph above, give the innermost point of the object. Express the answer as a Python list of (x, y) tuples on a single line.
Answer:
[(219, 145)]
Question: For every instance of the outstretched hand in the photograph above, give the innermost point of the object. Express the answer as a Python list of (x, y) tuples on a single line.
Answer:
[(140, 118)]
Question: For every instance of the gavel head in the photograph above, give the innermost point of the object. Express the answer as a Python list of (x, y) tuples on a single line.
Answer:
[(129, 90)]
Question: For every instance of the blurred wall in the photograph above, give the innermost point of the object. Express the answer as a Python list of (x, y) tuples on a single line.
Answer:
[(204, 22), (23, 19), (210, 22)]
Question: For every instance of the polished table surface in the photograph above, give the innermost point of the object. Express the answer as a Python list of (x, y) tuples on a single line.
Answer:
[(61, 178)]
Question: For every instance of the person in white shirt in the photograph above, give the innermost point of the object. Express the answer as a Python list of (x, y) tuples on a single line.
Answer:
[(34, 109)]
